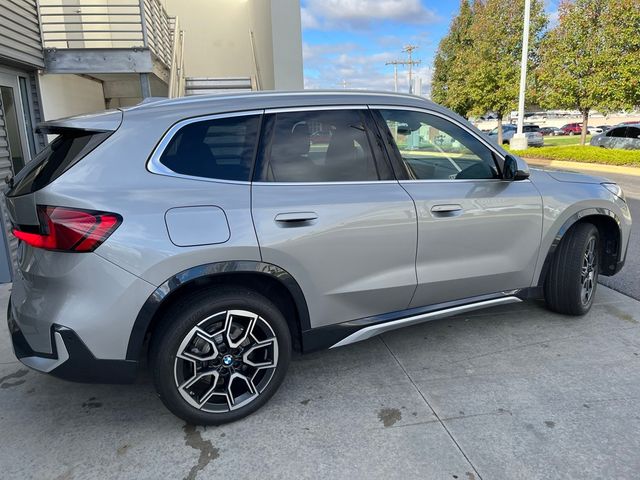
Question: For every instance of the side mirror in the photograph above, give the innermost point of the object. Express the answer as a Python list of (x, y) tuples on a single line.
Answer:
[(512, 170)]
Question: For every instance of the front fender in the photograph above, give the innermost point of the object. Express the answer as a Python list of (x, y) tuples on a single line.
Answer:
[(560, 223)]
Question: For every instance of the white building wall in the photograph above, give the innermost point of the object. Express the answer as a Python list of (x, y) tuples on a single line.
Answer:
[(287, 44), (242, 38), (216, 37), (67, 95)]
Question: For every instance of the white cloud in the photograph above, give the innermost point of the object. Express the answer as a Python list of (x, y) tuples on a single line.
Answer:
[(330, 14), (328, 66)]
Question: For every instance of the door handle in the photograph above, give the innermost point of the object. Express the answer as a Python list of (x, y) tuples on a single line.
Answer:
[(452, 207), (446, 209), (295, 218)]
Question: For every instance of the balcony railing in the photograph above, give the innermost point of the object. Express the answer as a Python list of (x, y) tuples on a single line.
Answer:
[(108, 24)]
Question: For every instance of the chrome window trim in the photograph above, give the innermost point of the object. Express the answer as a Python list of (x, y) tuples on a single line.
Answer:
[(363, 182), (461, 180), (154, 166), (315, 108), (445, 117)]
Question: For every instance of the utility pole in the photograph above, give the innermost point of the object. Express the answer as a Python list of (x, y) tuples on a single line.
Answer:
[(344, 83), (520, 138), (410, 62), (408, 49), (395, 64)]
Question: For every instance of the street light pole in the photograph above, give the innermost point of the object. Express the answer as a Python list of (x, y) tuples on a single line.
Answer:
[(520, 138)]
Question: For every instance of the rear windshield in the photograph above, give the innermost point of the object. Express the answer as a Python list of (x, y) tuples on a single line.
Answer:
[(62, 153)]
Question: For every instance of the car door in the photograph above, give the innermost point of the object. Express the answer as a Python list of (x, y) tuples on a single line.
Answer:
[(616, 138), (477, 234), (328, 210), (633, 138)]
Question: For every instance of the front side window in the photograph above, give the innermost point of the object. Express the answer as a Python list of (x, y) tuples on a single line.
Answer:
[(433, 148), (221, 148), (617, 132), (321, 146)]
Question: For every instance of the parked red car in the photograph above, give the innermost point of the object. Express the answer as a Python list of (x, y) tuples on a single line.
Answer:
[(572, 129)]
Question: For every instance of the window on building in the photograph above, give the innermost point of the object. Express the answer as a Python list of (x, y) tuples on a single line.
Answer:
[(28, 120), (11, 118)]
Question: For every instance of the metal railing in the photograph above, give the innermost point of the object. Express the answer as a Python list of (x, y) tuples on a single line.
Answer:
[(177, 77), (107, 24)]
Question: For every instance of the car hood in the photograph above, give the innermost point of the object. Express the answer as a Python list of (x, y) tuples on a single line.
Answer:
[(570, 177)]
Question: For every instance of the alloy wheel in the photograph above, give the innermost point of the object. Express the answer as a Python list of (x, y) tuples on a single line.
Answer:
[(589, 273), (226, 361)]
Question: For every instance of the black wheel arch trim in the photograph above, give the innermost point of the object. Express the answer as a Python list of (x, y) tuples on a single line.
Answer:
[(615, 260), (156, 299)]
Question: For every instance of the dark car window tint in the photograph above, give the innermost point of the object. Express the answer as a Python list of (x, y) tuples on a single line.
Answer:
[(222, 148), (633, 132), (617, 132), (60, 155), (320, 146), (433, 148)]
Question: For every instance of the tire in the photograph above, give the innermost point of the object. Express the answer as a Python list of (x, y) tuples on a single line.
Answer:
[(245, 355), (571, 134), (572, 280)]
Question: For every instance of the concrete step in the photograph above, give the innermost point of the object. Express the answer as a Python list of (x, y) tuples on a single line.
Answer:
[(208, 85)]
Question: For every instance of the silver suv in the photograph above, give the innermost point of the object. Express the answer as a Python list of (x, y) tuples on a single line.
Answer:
[(213, 235)]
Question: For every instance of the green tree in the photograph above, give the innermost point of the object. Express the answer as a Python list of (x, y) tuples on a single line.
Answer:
[(621, 48), (494, 62), (591, 58), (448, 86)]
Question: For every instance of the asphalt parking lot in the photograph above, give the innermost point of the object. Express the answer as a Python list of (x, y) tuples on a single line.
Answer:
[(514, 392)]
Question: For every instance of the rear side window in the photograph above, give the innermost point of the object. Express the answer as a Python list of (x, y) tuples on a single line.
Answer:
[(221, 148), (633, 132), (60, 155), (322, 146)]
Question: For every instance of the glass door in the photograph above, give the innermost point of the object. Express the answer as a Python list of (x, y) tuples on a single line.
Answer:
[(14, 121)]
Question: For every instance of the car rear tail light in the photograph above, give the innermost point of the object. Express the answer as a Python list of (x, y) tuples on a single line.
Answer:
[(69, 229)]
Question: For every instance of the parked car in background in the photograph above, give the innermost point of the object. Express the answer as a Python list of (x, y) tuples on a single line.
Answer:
[(605, 128), (594, 130), (626, 137), (532, 132), (210, 237), (551, 131), (572, 129)]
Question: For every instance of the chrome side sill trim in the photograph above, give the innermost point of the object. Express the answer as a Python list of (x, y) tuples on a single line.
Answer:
[(373, 330)]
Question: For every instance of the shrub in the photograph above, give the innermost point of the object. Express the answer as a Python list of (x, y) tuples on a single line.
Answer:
[(587, 154)]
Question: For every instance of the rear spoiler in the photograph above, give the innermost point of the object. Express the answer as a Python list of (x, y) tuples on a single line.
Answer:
[(108, 121)]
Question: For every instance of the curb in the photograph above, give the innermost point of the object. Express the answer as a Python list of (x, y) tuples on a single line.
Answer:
[(594, 167)]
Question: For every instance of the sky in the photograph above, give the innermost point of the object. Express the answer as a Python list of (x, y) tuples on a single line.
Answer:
[(347, 42)]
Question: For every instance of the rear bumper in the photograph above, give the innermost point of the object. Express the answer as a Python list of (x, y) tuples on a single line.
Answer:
[(70, 358)]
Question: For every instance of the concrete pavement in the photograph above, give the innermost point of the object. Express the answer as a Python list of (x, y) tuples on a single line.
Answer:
[(514, 392)]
